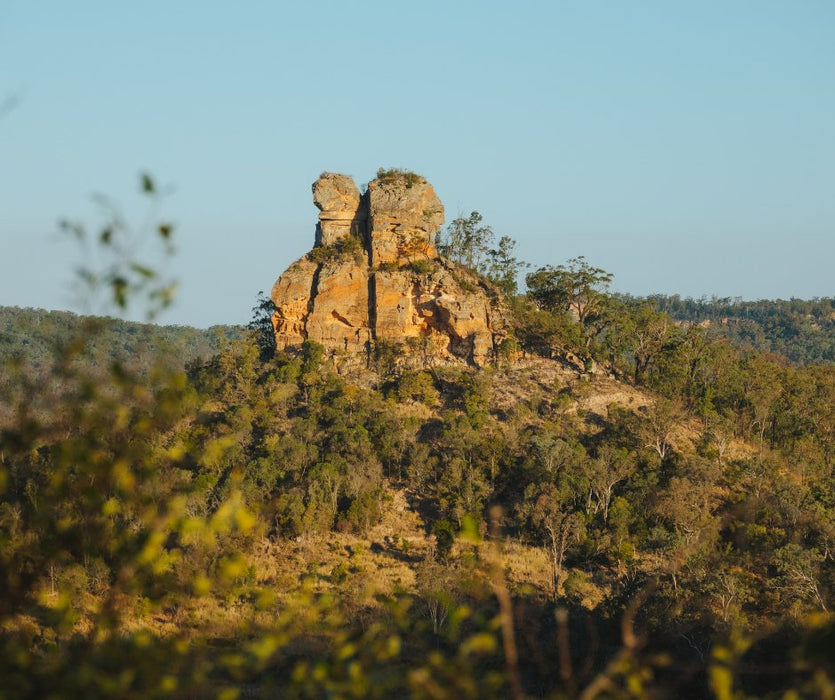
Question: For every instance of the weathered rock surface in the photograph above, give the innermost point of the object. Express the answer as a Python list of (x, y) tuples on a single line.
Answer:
[(375, 276), (404, 214), (339, 313), (293, 290), (339, 202)]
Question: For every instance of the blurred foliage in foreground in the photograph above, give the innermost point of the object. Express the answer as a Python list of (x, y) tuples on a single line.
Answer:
[(257, 525)]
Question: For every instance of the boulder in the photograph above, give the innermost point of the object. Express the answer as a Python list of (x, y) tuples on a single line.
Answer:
[(340, 208)]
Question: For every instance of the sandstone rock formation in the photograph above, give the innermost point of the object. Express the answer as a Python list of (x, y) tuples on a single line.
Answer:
[(375, 276), (339, 201), (404, 214)]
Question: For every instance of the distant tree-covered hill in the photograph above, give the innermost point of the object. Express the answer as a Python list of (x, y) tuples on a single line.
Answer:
[(33, 335), (803, 331)]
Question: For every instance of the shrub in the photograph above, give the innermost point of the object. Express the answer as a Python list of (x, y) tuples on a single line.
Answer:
[(578, 587), (418, 386), (393, 175), (421, 267), (343, 249), (339, 572), (364, 512)]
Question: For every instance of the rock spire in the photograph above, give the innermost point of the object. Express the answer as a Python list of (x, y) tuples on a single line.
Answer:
[(375, 277)]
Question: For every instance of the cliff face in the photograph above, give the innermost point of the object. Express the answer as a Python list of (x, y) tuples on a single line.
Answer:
[(375, 276)]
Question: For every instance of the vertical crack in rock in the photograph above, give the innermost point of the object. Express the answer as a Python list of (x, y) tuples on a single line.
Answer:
[(314, 290), (372, 304)]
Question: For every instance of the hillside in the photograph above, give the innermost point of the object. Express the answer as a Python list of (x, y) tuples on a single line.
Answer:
[(445, 490), (373, 533), (33, 335), (801, 331)]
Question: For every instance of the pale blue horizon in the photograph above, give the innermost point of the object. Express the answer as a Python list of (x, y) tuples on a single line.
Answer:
[(687, 148)]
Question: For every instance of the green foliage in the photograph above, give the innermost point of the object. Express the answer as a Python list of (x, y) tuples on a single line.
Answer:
[(503, 267), (347, 248), (96, 527), (389, 176), (261, 327), (444, 539), (802, 331), (547, 333), (30, 336), (421, 267), (579, 587), (575, 286), (417, 386), (466, 241), (387, 357), (170, 532)]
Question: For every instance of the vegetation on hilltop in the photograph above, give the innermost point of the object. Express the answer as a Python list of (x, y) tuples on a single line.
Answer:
[(621, 506), (388, 176), (802, 331)]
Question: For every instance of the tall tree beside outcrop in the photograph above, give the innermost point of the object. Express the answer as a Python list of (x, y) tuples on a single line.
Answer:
[(466, 241), (503, 267), (261, 325), (576, 287)]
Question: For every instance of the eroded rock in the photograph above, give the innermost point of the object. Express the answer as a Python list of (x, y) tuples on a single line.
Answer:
[(340, 206), (375, 276), (404, 215)]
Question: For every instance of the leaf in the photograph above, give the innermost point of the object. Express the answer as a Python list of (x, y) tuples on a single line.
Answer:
[(71, 227), (165, 230), (147, 183), (143, 271), (120, 291), (87, 276)]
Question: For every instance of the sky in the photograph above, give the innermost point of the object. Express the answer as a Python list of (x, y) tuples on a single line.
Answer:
[(685, 147)]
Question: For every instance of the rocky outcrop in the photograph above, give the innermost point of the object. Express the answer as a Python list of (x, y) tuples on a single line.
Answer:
[(339, 203), (404, 215), (375, 276)]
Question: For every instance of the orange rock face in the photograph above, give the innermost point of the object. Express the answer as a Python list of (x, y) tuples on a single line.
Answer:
[(404, 215), (339, 315), (293, 289), (341, 209), (375, 276)]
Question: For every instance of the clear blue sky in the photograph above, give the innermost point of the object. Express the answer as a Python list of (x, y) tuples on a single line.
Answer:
[(686, 147)]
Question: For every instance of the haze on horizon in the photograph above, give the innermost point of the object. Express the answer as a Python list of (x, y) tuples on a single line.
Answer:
[(686, 148)]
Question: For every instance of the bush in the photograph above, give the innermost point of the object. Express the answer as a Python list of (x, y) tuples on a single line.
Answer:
[(339, 572), (394, 175), (343, 249), (421, 267), (364, 512), (418, 386), (578, 587)]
